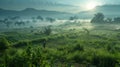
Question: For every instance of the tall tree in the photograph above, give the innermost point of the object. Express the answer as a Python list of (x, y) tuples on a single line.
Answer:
[(47, 30), (50, 19), (98, 18), (40, 18)]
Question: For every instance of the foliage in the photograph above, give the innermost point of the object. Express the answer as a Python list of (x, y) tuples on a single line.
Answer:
[(47, 30), (98, 18), (4, 44), (66, 48)]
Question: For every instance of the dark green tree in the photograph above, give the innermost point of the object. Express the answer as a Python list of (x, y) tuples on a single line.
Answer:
[(98, 18), (50, 19), (47, 30), (73, 18), (40, 18), (4, 44)]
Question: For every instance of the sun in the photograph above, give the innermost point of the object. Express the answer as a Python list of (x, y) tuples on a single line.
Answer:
[(91, 5)]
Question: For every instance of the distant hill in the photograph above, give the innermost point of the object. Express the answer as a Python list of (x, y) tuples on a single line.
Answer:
[(52, 5), (107, 10), (29, 12)]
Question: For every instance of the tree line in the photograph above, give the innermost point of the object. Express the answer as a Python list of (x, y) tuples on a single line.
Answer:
[(18, 21), (100, 18)]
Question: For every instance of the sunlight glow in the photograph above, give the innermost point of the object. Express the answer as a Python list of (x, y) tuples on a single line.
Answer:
[(91, 5)]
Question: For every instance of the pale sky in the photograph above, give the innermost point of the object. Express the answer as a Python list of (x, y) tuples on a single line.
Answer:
[(45, 4)]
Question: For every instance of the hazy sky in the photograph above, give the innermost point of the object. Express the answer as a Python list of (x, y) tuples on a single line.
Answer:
[(87, 1), (22, 4)]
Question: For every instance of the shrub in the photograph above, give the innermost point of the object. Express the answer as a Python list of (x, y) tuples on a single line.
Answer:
[(21, 44), (47, 30), (4, 44), (76, 57), (104, 61), (76, 47)]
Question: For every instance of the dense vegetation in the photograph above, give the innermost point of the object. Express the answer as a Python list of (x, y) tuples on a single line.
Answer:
[(70, 44)]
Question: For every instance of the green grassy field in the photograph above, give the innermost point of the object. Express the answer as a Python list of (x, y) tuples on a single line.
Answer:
[(68, 45)]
